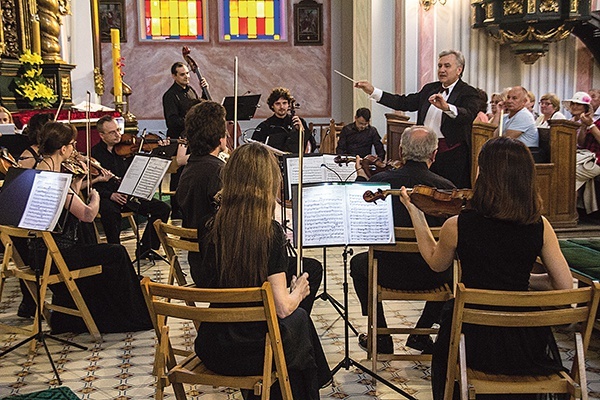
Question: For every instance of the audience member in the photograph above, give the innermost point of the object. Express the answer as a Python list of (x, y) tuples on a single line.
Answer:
[(483, 106), (549, 108), (497, 104), (519, 123)]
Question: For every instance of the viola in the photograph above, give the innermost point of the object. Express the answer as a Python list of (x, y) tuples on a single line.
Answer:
[(432, 201), (6, 161), (370, 164)]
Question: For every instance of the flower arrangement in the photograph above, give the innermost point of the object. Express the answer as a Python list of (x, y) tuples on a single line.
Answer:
[(32, 85)]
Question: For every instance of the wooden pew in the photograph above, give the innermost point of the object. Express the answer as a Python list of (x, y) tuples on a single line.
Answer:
[(396, 124), (556, 178)]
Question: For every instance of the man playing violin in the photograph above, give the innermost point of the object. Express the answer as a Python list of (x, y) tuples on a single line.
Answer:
[(407, 271), (113, 203), (358, 138), (283, 128)]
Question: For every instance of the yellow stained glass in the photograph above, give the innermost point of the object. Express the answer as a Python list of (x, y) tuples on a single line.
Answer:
[(174, 26), (193, 27), (242, 9), (234, 26), (233, 9), (252, 28), (173, 9), (183, 10), (192, 13), (164, 9), (165, 27), (269, 26), (183, 27), (155, 9), (260, 9), (251, 9), (155, 27), (269, 9)]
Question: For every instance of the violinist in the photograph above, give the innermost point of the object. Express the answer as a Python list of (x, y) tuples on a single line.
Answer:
[(418, 148), (201, 178), (114, 297), (281, 130), (112, 203), (30, 156), (359, 137)]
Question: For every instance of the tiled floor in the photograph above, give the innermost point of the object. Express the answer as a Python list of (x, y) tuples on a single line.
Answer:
[(121, 366)]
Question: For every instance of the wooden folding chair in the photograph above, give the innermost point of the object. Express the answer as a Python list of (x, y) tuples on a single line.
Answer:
[(130, 215), (191, 370), (554, 307), (19, 270), (330, 136), (405, 243), (175, 238)]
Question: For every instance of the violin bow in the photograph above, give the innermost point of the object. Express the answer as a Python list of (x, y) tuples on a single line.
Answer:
[(58, 110), (235, 101), (88, 139), (299, 200)]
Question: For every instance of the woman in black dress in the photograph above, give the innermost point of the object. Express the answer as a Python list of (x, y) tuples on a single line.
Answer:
[(243, 246), (497, 242), (114, 297)]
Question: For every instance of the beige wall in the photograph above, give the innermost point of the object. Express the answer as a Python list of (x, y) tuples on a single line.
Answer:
[(305, 70)]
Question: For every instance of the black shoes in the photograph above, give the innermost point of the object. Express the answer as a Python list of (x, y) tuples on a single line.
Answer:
[(26, 310), (385, 345), (423, 343)]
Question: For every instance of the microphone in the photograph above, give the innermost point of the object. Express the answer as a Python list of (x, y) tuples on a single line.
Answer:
[(334, 171)]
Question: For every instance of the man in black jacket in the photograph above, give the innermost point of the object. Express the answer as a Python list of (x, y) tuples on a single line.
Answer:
[(113, 203), (407, 271), (282, 130), (447, 106)]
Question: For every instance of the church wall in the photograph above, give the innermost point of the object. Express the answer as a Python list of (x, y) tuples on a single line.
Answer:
[(305, 70)]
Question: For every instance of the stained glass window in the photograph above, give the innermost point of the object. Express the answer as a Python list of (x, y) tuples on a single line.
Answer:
[(253, 20), (174, 19)]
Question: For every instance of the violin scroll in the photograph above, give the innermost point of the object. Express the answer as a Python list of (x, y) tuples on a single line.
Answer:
[(372, 197)]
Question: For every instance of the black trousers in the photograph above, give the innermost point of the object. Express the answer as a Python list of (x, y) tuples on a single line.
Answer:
[(111, 220), (407, 271), (454, 165)]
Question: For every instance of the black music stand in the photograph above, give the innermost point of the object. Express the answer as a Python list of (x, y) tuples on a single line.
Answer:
[(361, 216), (16, 190), (246, 107)]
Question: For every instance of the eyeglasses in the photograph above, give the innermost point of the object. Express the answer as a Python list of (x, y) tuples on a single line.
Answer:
[(73, 143), (545, 103)]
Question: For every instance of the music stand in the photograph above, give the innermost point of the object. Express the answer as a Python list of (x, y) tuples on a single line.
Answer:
[(361, 224), (19, 187), (246, 106)]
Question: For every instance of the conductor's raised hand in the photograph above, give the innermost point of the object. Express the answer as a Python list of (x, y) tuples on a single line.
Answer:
[(365, 86), (438, 100)]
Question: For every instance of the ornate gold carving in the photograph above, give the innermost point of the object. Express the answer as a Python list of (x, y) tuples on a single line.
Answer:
[(574, 5), (530, 6), (532, 34), (65, 87), (10, 29), (98, 81), (49, 13), (549, 6), (512, 7), (489, 11)]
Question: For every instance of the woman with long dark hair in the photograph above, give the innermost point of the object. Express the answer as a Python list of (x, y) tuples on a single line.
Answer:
[(497, 242), (114, 297), (243, 246)]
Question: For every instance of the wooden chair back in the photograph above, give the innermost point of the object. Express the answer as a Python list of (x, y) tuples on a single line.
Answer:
[(48, 276), (550, 308), (175, 238), (405, 243), (234, 307), (330, 136)]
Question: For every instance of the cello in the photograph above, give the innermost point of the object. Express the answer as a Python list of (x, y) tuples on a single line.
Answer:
[(232, 126)]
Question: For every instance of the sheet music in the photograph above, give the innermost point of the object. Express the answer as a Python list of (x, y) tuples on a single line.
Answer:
[(314, 172), (336, 214), (368, 222), (143, 176), (46, 201)]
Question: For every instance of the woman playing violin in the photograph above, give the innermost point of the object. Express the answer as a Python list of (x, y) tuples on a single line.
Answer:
[(418, 148), (113, 297), (497, 241), (30, 156)]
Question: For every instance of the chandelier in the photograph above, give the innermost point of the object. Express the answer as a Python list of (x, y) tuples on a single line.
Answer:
[(529, 26)]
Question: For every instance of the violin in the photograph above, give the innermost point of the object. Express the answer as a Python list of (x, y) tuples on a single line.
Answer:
[(96, 169), (74, 167), (6, 161), (131, 144), (432, 201), (371, 164)]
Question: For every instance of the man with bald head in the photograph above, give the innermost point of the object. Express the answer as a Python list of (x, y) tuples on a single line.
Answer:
[(519, 122), (407, 271)]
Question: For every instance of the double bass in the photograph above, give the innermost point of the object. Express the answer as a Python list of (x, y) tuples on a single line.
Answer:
[(233, 128)]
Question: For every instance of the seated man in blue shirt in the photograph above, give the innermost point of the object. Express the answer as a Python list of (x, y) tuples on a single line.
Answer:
[(519, 123), (358, 137)]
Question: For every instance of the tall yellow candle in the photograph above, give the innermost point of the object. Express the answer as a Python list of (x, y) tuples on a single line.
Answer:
[(36, 45), (116, 58)]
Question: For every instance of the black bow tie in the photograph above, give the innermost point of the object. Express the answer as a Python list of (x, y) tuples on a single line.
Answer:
[(444, 90)]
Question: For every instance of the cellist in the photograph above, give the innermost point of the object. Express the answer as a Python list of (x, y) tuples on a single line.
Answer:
[(177, 100)]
